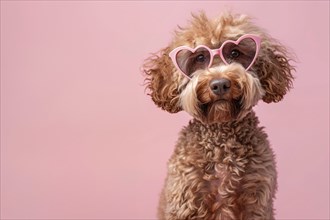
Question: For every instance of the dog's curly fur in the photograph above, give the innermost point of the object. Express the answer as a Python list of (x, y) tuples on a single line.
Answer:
[(222, 166)]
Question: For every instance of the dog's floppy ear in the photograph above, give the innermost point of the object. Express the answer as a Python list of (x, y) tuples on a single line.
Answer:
[(161, 81), (274, 70)]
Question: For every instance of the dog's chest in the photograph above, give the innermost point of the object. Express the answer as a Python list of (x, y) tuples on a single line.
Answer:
[(208, 163), (212, 158)]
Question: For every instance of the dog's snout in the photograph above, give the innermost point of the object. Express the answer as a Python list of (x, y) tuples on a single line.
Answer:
[(220, 86)]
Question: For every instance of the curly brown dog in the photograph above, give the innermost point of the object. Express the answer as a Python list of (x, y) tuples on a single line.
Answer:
[(217, 70)]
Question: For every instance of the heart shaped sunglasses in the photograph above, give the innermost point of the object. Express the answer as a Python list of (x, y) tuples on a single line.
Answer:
[(243, 51)]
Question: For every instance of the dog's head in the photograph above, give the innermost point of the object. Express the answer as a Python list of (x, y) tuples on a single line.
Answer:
[(217, 70)]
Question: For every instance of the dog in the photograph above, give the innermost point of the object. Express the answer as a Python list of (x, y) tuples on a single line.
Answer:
[(217, 70)]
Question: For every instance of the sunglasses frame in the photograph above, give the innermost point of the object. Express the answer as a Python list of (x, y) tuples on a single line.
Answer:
[(214, 52)]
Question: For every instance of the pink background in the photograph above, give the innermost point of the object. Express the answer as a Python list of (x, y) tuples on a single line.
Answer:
[(80, 138)]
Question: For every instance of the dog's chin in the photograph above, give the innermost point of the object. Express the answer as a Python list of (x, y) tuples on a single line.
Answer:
[(219, 111)]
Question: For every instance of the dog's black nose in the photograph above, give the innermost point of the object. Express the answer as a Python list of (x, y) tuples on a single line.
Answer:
[(220, 86)]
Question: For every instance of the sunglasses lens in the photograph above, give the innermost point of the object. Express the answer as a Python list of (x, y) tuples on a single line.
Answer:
[(244, 52), (189, 61)]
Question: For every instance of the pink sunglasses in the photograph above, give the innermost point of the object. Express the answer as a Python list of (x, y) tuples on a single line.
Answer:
[(243, 51)]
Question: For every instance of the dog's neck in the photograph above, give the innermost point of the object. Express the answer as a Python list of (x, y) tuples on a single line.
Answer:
[(243, 130)]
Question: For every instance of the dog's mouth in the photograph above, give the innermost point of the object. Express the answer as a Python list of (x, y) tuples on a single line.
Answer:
[(220, 110), (205, 107)]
